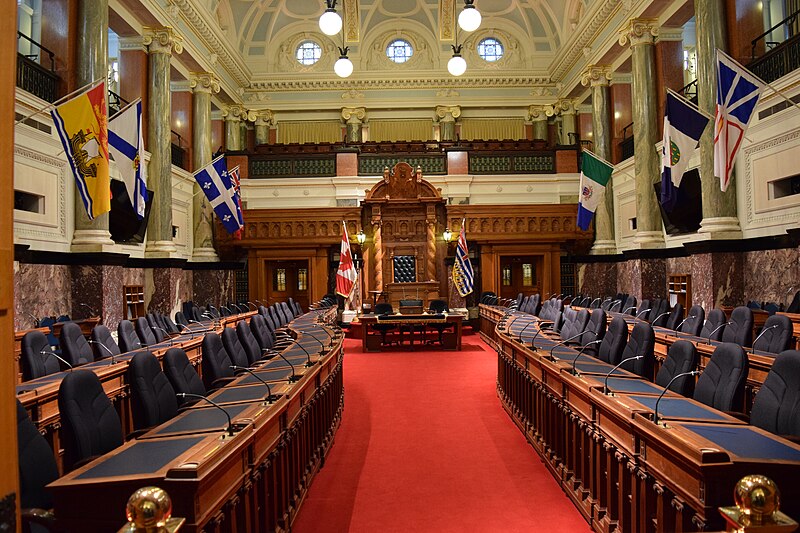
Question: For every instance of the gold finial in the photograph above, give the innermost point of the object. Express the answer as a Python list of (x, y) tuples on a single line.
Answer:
[(149, 509), (758, 498)]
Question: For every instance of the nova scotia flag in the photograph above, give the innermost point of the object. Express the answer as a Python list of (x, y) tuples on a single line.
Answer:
[(126, 144), (216, 184)]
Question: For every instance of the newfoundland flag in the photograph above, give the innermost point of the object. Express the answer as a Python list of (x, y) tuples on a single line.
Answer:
[(683, 126), (595, 173)]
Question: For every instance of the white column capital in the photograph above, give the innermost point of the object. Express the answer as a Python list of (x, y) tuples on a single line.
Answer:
[(354, 114), (639, 31), (162, 40), (264, 117), (447, 113), (596, 75)]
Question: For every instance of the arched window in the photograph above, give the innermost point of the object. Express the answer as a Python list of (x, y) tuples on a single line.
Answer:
[(308, 53), (490, 49), (399, 51)]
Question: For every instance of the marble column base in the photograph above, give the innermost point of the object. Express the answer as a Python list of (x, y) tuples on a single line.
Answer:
[(604, 247), (99, 287), (648, 239), (714, 228), (202, 255), (597, 279), (161, 250), (92, 240)]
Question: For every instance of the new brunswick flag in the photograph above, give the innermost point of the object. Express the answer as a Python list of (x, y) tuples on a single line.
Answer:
[(82, 125)]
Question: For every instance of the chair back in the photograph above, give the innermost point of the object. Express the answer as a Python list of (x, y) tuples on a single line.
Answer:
[(90, 425), (794, 306), (74, 347), (675, 317), (155, 327), (693, 326), (153, 399), (36, 356), (216, 361), (595, 330), (101, 335), (438, 306), (182, 375), (777, 404), (144, 332), (169, 325), (180, 318), (656, 316), (251, 347), (230, 340), (127, 337), (711, 328), (37, 465), (641, 342), (614, 341), (283, 309), (681, 357), (259, 329), (777, 334), (740, 329), (644, 305), (630, 305), (721, 385)]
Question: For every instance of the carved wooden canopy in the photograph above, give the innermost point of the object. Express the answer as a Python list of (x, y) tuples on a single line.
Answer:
[(402, 183)]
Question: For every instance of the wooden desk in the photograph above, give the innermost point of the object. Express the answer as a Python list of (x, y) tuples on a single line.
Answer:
[(795, 318), (371, 339), (87, 325)]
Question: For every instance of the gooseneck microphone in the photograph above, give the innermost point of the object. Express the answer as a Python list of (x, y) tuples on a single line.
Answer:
[(230, 429), (270, 397), (308, 355), (167, 338), (519, 337), (629, 308), (614, 304), (294, 377), (708, 340), (90, 308), (659, 316), (103, 346), (35, 320), (255, 307), (773, 326), (535, 349), (563, 343), (678, 327), (45, 352), (605, 381), (640, 312), (322, 346), (593, 301), (580, 352), (682, 374)]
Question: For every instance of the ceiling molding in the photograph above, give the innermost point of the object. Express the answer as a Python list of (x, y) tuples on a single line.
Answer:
[(345, 85)]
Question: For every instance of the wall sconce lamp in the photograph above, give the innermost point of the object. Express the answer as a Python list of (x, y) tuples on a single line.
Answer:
[(360, 237), (448, 236)]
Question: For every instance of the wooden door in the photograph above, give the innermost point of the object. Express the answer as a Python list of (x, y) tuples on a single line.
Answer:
[(287, 279), (520, 274)]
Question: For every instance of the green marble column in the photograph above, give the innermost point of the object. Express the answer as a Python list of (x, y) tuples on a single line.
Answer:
[(720, 220), (641, 33), (160, 43), (264, 120), (91, 235), (233, 132), (203, 84), (447, 115), (568, 121), (354, 119), (598, 76)]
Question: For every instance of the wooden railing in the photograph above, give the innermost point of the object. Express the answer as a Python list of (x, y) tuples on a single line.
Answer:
[(780, 58), (32, 76)]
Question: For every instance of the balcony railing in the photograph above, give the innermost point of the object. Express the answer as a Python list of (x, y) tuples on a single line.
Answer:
[(115, 103), (780, 58), (626, 144), (178, 150), (689, 91), (32, 76)]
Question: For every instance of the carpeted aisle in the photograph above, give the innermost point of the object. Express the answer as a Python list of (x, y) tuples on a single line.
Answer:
[(425, 445)]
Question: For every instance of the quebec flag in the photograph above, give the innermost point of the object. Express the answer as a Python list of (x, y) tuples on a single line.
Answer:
[(126, 144), (683, 126), (216, 184)]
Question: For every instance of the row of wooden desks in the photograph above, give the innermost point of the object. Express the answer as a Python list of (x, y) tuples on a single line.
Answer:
[(251, 478), (623, 471)]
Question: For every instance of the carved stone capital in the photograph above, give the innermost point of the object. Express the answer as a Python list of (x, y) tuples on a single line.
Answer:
[(238, 112), (354, 114), (204, 82), (537, 112), (264, 117), (162, 40), (639, 31), (448, 113), (560, 107), (596, 75)]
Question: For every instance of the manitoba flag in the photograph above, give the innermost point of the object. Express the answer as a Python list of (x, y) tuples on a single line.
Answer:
[(346, 275)]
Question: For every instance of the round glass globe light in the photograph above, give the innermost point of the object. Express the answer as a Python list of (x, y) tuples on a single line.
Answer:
[(330, 22), (343, 67), (456, 66), (469, 19)]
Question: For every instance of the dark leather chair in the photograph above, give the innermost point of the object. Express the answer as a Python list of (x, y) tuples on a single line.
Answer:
[(675, 317), (681, 357), (145, 332), (248, 342), (629, 305), (230, 340), (260, 331), (777, 405), (295, 306), (659, 312), (283, 309), (794, 306), (644, 309), (90, 425), (384, 308), (153, 399), (101, 337), (169, 325), (711, 328), (694, 321), (127, 337), (225, 311), (641, 342), (721, 385), (595, 330), (740, 329), (155, 327), (180, 318), (577, 327), (47, 322), (36, 356), (777, 334), (534, 304), (37, 469), (74, 347), (216, 362), (182, 375), (614, 341)]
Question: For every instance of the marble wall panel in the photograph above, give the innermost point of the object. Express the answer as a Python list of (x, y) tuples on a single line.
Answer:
[(653, 278), (629, 279), (679, 265), (133, 276), (40, 290), (100, 288), (771, 275), (597, 279), (216, 287), (165, 295), (718, 279)]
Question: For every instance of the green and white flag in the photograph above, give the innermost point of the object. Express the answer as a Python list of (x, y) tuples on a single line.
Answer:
[(595, 173)]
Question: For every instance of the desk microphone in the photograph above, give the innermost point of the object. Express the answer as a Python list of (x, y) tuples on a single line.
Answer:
[(773, 326), (255, 307), (168, 338), (640, 312), (270, 397), (708, 340), (54, 354), (593, 301), (35, 320), (614, 304), (682, 374), (322, 347), (308, 355), (678, 327), (91, 310), (629, 308), (563, 343), (659, 316), (580, 352), (230, 429), (534, 338), (605, 381), (519, 339), (106, 348), (294, 377)]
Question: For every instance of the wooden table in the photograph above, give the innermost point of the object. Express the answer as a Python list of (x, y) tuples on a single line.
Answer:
[(371, 340)]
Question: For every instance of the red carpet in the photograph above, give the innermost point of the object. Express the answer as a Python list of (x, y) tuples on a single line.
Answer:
[(425, 445)]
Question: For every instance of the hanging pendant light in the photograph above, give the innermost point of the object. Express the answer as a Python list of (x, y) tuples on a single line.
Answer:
[(470, 18), (330, 22), (343, 66), (457, 65)]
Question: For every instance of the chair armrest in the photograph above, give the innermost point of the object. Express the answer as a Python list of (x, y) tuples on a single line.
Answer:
[(739, 416), (137, 433)]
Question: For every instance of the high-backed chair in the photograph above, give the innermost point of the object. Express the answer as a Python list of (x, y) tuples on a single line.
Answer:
[(47, 322), (74, 347), (182, 375), (595, 330), (794, 306), (614, 341), (383, 308), (438, 306), (180, 318), (644, 309), (90, 425), (37, 357), (681, 357), (144, 332), (295, 307), (287, 313), (262, 334), (127, 337), (37, 467), (578, 326), (721, 385), (155, 327), (629, 305), (776, 334), (694, 321), (675, 317), (777, 404), (230, 340), (103, 343), (740, 329), (714, 326), (153, 399), (641, 342), (659, 313), (216, 362), (169, 325), (248, 342)]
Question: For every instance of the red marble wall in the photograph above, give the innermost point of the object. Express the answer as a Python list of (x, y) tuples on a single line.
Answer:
[(40, 290), (134, 74), (99, 287), (214, 286), (717, 279), (745, 22), (770, 274), (597, 279)]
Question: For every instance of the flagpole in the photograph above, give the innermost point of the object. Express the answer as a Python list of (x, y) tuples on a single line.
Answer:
[(691, 104), (54, 104), (776, 91), (598, 157)]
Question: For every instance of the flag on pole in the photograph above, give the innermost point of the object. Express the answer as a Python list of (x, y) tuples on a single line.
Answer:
[(82, 126), (595, 173), (738, 91), (683, 126), (347, 274), (234, 174), (216, 184), (126, 144), (463, 275)]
